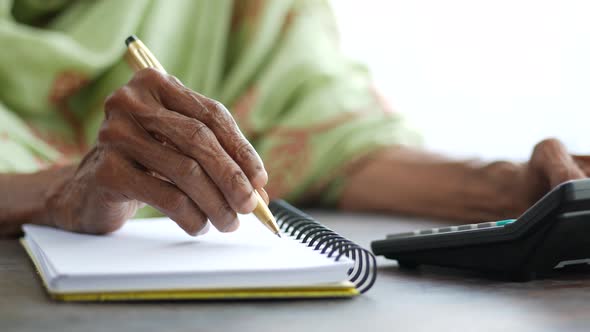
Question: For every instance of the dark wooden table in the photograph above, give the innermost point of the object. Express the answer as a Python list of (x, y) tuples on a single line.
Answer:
[(428, 299)]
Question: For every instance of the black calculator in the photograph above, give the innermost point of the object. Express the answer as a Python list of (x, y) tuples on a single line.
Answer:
[(553, 235)]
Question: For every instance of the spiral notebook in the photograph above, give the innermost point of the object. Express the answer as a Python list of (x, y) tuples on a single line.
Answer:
[(153, 259)]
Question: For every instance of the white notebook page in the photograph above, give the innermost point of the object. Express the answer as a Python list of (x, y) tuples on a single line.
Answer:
[(157, 254)]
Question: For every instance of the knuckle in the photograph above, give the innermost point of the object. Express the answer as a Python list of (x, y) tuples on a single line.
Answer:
[(176, 202), (216, 106), (198, 132), (175, 81), (118, 100), (188, 168), (214, 111), (239, 185), (245, 151)]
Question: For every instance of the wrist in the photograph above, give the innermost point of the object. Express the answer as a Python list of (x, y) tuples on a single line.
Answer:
[(52, 194), (506, 189), (23, 198)]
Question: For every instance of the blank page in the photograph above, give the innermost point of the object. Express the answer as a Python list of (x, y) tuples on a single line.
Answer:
[(157, 254)]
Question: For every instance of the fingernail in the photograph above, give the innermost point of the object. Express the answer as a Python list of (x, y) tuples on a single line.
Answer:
[(262, 191), (232, 226), (250, 204), (203, 230), (260, 179)]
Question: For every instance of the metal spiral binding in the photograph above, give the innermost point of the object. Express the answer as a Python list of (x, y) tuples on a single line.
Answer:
[(304, 228)]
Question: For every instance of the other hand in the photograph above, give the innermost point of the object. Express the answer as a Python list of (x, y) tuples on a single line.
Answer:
[(550, 164)]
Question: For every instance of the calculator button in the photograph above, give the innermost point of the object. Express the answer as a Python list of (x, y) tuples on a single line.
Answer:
[(465, 227), (406, 234), (486, 225), (505, 222), (452, 229)]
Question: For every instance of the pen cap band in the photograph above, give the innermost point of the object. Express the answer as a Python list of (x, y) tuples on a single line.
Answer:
[(139, 57)]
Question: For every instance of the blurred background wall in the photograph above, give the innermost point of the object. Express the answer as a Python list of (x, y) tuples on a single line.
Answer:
[(478, 78)]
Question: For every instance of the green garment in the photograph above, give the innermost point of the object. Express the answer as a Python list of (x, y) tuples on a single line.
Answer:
[(308, 110)]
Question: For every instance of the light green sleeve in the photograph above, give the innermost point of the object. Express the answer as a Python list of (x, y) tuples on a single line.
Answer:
[(20, 150), (311, 112)]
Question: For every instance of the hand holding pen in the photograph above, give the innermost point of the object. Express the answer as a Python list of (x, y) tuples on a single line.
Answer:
[(140, 57), (206, 169)]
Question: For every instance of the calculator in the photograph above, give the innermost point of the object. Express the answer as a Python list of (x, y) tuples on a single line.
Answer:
[(551, 236)]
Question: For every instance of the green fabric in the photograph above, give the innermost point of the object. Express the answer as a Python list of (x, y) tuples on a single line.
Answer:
[(309, 111)]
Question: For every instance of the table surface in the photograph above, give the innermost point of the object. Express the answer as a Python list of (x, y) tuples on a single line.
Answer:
[(426, 299)]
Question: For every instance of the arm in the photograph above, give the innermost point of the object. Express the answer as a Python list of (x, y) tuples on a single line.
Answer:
[(415, 182), (23, 197)]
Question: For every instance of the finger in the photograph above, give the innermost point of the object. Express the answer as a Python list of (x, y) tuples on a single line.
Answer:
[(553, 159), (135, 184), (583, 163), (194, 139), (175, 96), (186, 174), (223, 125), (264, 195)]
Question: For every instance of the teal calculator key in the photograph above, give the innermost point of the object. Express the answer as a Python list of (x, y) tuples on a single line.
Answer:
[(505, 222)]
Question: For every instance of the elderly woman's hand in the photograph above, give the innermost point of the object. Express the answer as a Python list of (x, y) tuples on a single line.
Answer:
[(417, 182), (167, 146), (549, 165)]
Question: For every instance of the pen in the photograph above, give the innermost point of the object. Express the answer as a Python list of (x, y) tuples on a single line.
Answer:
[(140, 57)]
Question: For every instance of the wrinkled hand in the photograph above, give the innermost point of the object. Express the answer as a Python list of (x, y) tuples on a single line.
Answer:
[(549, 165), (167, 146)]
